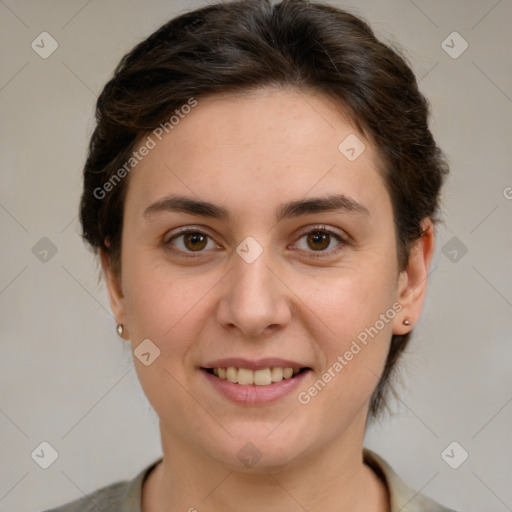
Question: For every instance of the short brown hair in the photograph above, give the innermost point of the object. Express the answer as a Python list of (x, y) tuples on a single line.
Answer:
[(243, 45)]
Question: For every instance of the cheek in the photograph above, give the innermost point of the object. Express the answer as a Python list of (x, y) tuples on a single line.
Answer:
[(355, 314), (167, 308), (161, 304), (351, 299), (353, 337)]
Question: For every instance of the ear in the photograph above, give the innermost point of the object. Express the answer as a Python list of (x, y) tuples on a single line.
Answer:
[(412, 282), (115, 292)]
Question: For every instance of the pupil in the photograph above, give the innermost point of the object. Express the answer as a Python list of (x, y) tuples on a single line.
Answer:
[(320, 239), (195, 241)]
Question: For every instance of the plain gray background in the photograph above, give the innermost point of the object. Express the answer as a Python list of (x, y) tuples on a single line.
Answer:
[(67, 379)]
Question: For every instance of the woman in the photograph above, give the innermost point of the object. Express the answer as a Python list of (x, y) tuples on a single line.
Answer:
[(261, 188)]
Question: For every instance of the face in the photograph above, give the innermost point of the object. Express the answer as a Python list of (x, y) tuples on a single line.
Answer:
[(254, 248)]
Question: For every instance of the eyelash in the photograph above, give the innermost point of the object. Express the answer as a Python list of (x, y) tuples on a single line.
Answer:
[(342, 241)]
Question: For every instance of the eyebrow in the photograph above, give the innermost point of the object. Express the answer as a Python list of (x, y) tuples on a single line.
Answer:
[(292, 209)]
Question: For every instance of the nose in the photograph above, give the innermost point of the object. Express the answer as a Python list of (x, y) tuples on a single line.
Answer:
[(255, 300)]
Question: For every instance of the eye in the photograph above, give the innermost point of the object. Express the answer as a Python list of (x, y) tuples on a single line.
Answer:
[(320, 240), (190, 241)]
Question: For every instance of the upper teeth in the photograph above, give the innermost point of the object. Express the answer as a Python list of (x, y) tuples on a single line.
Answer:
[(248, 377)]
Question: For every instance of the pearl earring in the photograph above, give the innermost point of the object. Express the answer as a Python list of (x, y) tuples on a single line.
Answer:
[(406, 322), (120, 329)]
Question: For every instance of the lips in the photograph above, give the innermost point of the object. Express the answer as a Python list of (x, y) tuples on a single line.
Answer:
[(254, 382)]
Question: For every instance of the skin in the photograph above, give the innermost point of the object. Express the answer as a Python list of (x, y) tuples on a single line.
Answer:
[(250, 154)]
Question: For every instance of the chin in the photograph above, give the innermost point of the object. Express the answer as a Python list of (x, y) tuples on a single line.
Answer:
[(258, 447)]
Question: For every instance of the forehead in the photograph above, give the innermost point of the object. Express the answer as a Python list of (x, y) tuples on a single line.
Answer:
[(259, 148)]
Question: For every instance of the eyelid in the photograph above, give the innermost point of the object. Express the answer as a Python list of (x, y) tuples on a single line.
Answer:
[(183, 230), (342, 237), (323, 227)]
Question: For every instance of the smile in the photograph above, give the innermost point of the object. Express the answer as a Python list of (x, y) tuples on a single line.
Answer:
[(248, 377), (258, 386)]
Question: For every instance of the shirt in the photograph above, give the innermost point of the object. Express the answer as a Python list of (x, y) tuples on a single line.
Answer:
[(125, 496)]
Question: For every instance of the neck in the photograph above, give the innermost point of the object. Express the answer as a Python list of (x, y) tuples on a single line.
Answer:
[(334, 478)]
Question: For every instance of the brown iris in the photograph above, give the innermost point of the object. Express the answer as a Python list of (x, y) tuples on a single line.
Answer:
[(319, 240), (194, 241)]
